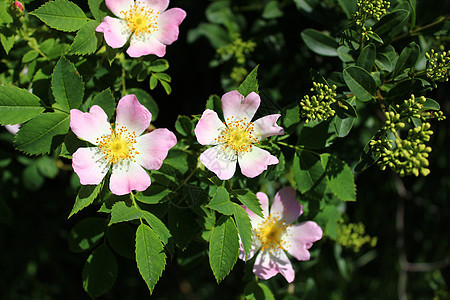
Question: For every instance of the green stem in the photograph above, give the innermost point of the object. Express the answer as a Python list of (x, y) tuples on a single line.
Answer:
[(55, 108), (295, 147), (133, 200), (412, 32)]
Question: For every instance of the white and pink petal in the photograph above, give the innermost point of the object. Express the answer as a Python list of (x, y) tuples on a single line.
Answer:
[(132, 115), (127, 176), (208, 128), (117, 7), (115, 31), (300, 238), (254, 162), (216, 160), (267, 126), (153, 148), (156, 5), (236, 107), (90, 126), (286, 206), (90, 165), (269, 264), (168, 25), (145, 44)]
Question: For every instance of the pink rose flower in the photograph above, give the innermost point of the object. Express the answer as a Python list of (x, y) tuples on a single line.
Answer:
[(234, 140), (274, 234), (147, 23), (121, 147)]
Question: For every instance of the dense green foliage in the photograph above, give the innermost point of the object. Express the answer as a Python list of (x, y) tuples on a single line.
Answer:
[(362, 89)]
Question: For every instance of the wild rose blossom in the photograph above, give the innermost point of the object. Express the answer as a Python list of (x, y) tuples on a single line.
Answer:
[(234, 140), (274, 234), (147, 23), (121, 146)]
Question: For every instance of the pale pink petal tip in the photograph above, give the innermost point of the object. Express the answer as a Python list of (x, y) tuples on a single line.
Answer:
[(153, 148), (256, 161), (115, 31), (132, 115), (208, 128), (91, 125), (128, 177)]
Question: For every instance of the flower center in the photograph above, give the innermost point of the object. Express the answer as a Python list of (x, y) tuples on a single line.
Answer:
[(119, 145), (141, 19), (271, 233), (237, 136)]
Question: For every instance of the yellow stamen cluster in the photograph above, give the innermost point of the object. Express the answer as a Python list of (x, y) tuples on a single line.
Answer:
[(271, 233), (141, 19), (119, 145), (238, 136)]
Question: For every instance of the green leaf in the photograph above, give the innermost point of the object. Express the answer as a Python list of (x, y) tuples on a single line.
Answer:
[(258, 291), (184, 126), (85, 197), (223, 247), (328, 219), (158, 226), (105, 100), (221, 202), (367, 57), (309, 174), (360, 83), (153, 82), (407, 58), (47, 166), (150, 257), (384, 62), (147, 100), (32, 178), (94, 6), (341, 181), (291, 115), (159, 65), (153, 194), (250, 84), (348, 6), (344, 54), (7, 38), (61, 15), (86, 234), (18, 105), (166, 87), (5, 17), (85, 41), (214, 103), (272, 10), (30, 56), (100, 271), (319, 42), (121, 213), (244, 227), (343, 125), (249, 200), (67, 85), (430, 104), (389, 23), (43, 133)]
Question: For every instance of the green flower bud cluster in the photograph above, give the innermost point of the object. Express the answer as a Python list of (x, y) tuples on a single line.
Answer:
[(438, 65), (410, 155), (366, 31), (238, 74), (413, 108), (368, 9), (237, 48), (353, 236), (318, 106)]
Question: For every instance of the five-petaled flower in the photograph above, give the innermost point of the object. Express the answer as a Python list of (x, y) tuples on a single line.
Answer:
[(120, 146), (147, 23), (234, 140), (274, 234)]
